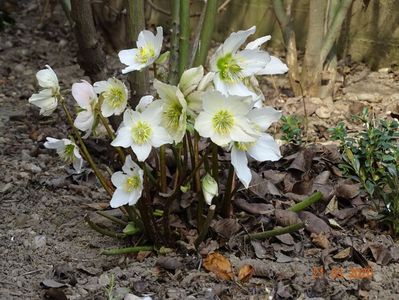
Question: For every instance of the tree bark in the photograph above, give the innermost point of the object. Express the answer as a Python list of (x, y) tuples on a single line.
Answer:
[(91, 57), (139, 80)]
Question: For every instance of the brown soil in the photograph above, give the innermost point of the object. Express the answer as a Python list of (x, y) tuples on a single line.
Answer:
[(43, 235)]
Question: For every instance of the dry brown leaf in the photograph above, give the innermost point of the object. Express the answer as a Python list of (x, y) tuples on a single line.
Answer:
[(332, 205), (226, 227), (97, 206), (344, 254), (303, 161), (347, 191), (219, 265), (320, 240), (286, 217), (254, 208), (315, 224), (381, 254), (245, 273)]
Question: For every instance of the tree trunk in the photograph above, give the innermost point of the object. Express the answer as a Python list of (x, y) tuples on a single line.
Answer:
[(139, 80), (312, 66), (91, 57)]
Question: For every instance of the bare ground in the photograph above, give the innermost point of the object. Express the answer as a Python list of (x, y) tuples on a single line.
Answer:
[(43, 235)]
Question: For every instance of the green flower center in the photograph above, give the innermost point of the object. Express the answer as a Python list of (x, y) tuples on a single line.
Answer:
[(141, 132), (132, 183), (115, 97), (223, 121), (243, 146), (67, 155), (172, 115), (144, 54), (229, 69)]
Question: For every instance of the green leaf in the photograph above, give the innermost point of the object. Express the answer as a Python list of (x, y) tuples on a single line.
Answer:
[(163, 58), (131, 229)]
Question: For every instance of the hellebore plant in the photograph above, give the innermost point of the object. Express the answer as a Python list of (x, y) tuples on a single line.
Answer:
[(173, 141)]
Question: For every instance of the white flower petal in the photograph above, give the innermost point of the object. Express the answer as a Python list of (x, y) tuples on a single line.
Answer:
[(53, 143), (239, 161), (135, 196), (141, 151), (258, 42), (240, 89), (190, 79), (252, 61), (236, 39), (118, 179), (220, 85), (45, 101), (264, 117), (123, 137), (158, 41), (220, 140), (130, 117), (77, 164), (205, 81), (84, 120), (106, 109), (47, 78), (119, 198), (275, 66), (144, 102), (161, 137), (240, 134), (214, 101), (101, 86), (128, 57), (84, 94), (129, 167), (265, 148), (203, 124), (194, 102)]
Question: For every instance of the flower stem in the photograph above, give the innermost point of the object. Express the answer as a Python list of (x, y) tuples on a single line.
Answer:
[(103, 231), (173, 76), (226, 209), (215, 162), (307, 202), (112, 218), (127, 250), (206, 32), (205, 227), (162, 168), (184, 45), (111, 134), (86, 153), (277, 231)]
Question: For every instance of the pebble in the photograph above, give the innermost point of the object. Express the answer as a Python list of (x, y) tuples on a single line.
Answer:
[(6, 187), (377, 276), (39, 241), (33, 168), (104, 280), (323, 112)]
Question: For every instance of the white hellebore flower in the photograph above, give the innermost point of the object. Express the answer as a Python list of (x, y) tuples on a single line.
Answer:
[(142, 131), (264, 148), (46, 99), (174, 112), (67, 150), (275, 65), (129, 184), (233, 66), (147, 51), (224, 120), (86, 97), (209, 188), (192, 83), (114, 93)]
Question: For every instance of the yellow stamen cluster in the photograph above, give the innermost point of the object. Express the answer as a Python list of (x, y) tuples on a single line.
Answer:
[(141, 132), (223, 121), (145, 53), (132, 183)]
